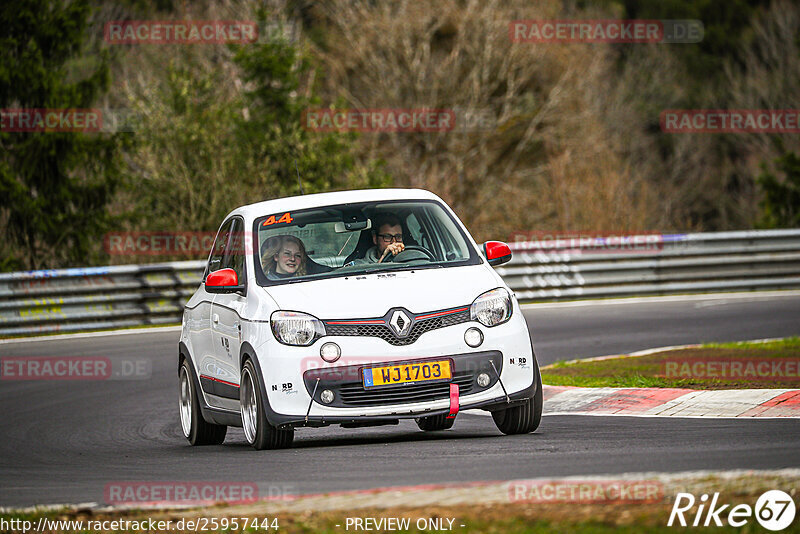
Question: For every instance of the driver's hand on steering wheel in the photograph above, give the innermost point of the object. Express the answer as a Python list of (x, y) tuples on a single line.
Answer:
[(394, 248)]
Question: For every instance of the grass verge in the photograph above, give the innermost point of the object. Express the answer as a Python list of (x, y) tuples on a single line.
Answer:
[(491, 507), (744, 365)]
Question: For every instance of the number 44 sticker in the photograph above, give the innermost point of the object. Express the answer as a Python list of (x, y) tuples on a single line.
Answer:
[(286, 218)]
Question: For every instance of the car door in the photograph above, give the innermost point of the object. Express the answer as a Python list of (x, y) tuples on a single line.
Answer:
[(226, 323), (199, 317)]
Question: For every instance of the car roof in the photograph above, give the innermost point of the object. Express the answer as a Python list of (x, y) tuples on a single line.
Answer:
[(289, 204)]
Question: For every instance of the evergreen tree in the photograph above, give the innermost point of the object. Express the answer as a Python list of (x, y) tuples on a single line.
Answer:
[(275, 132), (781, 203), (54, 186)]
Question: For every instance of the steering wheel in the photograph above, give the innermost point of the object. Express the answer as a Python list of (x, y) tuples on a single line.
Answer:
[(403, 257)]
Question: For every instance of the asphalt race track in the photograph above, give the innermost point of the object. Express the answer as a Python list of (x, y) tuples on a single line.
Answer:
[(62, 442)]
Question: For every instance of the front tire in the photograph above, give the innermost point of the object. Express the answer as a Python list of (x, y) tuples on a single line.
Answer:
[(257, 430), (524, 418), (194, 427), (433, 423)]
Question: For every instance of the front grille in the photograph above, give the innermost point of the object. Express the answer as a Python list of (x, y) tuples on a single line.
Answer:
[(385, 333), (349, 392), (354, 394)]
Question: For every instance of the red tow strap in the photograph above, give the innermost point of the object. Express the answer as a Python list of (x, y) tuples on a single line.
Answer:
[(453, 401)]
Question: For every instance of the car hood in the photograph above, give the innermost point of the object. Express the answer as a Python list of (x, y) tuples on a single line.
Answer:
[(372, 295)]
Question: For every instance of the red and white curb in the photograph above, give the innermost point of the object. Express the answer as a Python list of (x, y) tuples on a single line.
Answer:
[(661, 402), (665, 402)]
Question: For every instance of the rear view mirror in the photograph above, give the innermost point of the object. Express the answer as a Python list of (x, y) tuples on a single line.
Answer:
[(352, 226), (496, 252)]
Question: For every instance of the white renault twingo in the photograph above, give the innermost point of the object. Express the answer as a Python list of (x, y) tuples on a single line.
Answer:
[(356, 308)]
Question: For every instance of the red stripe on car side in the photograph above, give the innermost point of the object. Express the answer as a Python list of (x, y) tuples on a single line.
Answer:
[(220, 381)]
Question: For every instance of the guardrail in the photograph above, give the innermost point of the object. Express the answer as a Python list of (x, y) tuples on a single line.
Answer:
[(654, 265), (67, 300)]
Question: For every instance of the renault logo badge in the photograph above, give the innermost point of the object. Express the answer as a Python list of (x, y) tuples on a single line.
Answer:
[(400, 323)]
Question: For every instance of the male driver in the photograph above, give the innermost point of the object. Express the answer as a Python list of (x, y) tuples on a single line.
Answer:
[(387, 236)]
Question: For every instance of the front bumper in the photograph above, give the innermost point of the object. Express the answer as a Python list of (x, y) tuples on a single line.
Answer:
[(507, 345), (347, 386), (495, 402)]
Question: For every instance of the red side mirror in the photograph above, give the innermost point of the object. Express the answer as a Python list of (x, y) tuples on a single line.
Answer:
[(222, 281), (496, 252)]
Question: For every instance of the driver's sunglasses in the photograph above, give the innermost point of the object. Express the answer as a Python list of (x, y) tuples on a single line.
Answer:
[(388, 238)]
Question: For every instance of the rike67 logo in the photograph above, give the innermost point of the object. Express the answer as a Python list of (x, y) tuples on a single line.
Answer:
[(774, 510)]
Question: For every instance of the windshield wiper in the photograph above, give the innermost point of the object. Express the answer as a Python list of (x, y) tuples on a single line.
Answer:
[(387, 268), (365, 269), (400, 267)]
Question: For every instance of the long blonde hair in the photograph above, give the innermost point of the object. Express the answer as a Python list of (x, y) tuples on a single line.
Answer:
[(274, 245)]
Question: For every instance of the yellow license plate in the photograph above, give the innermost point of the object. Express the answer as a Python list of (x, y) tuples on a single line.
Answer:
[(407, 373)]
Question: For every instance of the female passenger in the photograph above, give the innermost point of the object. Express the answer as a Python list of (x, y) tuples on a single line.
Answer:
[(283, 256)]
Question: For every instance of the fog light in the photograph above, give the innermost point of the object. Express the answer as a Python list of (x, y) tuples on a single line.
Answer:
[(330, 352), (473, 337), (327, 396), (483, 380)]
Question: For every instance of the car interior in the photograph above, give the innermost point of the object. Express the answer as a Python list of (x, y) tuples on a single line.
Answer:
[(365, 241), (329, 235)]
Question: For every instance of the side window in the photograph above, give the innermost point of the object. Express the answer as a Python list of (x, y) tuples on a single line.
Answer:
[(429, 240), (218, 250), (234, 252), (416, 231), (446, 232)]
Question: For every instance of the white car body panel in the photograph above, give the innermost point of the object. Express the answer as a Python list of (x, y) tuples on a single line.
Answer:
[(217, 326), (422, 290)]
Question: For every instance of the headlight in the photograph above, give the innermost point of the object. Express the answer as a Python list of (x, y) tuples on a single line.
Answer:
[(492, 308), (295, 328)]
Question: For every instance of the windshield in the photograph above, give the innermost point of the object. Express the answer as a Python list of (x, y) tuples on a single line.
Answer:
[(351, 239)]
